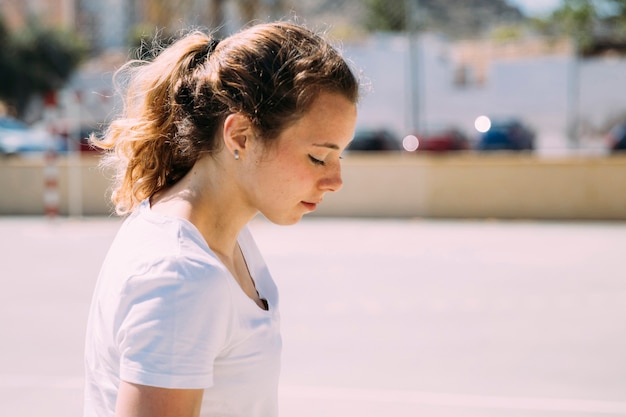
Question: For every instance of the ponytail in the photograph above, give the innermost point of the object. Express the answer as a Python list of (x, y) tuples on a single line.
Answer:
[(150, 153)]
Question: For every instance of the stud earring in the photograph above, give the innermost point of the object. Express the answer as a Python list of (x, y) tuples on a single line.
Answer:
[(236, 154)]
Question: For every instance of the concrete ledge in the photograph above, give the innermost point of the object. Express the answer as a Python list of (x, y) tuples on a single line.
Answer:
[(83, 188), (507, 186)]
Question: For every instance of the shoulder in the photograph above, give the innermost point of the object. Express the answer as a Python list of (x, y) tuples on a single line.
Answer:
[(147, 241), (158, 256)]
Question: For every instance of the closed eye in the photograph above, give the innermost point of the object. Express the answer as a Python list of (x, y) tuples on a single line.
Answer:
[(316, 161)]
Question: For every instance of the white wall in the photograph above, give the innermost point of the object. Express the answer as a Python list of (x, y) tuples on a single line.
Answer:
[(539, 90)]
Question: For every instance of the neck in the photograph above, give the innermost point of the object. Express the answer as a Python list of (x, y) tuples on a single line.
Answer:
[(210, 203)]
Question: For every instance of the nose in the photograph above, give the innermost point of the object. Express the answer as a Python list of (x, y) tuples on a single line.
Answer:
[(332, 181)]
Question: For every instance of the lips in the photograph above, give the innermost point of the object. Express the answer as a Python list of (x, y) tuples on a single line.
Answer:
[(310, 206)]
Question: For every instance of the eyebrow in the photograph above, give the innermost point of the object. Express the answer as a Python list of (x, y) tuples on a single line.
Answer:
[(327, 145)]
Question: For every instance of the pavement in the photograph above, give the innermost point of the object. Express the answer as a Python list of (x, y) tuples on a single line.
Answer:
[(381, 317)]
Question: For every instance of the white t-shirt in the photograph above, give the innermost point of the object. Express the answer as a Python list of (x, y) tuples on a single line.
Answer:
[(166, 312)]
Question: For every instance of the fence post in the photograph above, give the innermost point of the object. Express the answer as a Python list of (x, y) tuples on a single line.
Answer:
[(51, 196), (51, 185)]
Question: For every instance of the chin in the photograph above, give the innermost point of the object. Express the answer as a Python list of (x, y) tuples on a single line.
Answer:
[(288, 222), (284, 220)]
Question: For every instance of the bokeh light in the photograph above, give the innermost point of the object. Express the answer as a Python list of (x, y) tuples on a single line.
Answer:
[(482, 124), (410, 143)]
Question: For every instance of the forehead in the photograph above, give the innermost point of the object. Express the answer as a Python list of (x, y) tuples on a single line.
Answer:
[(330, 118)]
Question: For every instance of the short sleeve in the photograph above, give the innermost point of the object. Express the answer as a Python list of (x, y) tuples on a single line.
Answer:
[(174, 321)]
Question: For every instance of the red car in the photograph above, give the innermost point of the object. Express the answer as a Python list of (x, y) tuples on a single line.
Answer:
[(442, 139)]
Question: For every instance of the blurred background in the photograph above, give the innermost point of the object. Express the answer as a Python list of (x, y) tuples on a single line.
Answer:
[(481, 86), (536, 79), (545, 75), (484, 274)]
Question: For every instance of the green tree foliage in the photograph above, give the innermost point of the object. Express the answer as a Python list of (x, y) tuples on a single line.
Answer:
[(576, 18), (35, 60), (456, 18), (593, 24), (386, 15)]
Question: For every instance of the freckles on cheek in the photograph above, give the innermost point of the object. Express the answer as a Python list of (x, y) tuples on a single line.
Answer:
[(299, 177), (289, 184), (287, 175)]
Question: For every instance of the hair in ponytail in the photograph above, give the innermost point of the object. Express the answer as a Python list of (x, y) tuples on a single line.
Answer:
[(175, 104)]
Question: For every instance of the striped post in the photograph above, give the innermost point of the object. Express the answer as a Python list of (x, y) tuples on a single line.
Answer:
[(51, 185)]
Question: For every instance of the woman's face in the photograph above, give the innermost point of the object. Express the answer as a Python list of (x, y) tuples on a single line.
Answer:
[(290, 178)]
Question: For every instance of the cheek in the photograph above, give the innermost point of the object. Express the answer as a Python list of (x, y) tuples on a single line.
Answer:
[(289, 181), (282, 174), (285, 167)]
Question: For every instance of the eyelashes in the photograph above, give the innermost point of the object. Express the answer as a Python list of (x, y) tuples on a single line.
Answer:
[(319, 161), (316, 161)]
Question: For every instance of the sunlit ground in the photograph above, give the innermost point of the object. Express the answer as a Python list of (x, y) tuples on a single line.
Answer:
[(380, 317)]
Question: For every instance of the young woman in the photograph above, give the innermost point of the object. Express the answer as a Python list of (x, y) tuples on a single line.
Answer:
[(184, 319)]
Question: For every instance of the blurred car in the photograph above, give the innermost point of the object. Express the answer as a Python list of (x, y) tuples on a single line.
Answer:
[(442, 138), (374, 140), (507, 134), (74, 134), (17, 137), (617, 137)]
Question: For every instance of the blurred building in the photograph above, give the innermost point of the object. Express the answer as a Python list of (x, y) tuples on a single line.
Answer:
[(53, 12), (106, 24), (110, 24), (473, 58)]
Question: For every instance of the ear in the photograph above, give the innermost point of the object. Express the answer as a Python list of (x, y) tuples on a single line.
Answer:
[(237, 132)]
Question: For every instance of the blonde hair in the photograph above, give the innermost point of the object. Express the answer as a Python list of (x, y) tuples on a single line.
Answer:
[(175, 104)]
